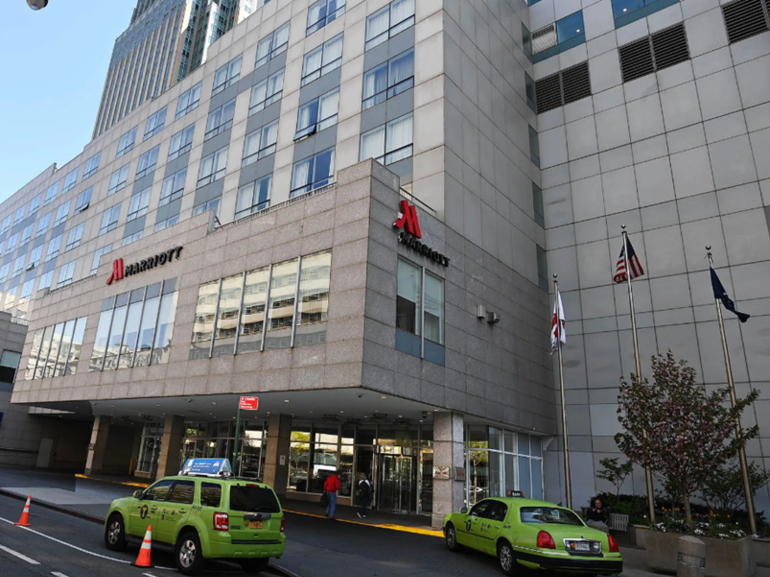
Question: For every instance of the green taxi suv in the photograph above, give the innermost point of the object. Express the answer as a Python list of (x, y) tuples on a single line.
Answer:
[(201, 518), (530, 534)]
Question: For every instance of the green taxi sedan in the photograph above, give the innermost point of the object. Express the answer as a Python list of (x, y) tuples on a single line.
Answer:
[(200, 519), (531, 534)]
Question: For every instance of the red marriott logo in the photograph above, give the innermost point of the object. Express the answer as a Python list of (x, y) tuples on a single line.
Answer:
[(408, 219), (119, 272)]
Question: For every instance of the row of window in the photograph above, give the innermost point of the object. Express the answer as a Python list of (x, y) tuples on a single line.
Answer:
[(56, 350), (280, 306)]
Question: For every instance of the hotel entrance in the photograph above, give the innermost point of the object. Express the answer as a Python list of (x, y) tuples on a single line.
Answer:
[(397, 480)]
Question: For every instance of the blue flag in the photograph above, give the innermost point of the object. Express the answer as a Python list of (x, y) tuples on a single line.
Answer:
[(721, 294)]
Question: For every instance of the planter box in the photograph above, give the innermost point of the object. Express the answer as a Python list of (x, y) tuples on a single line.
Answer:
[(637, 535), (723, 558)]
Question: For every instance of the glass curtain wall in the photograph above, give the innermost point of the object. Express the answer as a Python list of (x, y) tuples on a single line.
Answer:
[(498, 461), (216, 440), (135, 328), (149, 447), (56, 350)]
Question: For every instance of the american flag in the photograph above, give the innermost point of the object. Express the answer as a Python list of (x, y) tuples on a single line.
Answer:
[(633, 262)]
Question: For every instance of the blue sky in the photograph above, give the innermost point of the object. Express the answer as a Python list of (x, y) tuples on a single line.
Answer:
[(52, 64)]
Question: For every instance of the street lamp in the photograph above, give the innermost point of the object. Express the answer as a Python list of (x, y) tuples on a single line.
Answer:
[(37, 4)]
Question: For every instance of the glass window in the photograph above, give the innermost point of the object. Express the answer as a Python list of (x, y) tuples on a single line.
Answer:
[(322, 60), (18, 265), (147, 327), (280, 318), (220, 119), (409, 295), (64, 349), (211, 494), (45, 280), (260, 143), (313, 172), (9, 364), (66, 273), (253, 316), (166, 315), (253, 498), (75, 236), (299, 458), (131, 330), (138, 204), (45, 347), (253, 197), (317, 114), (118, 180), (62, 213), (389, 79), (34, 353), (92, 165), (42, 226), (389, 143), (550, 515), (542, 268), (212, 205), (570, 26), (181, 142), (97, 256), (173, 187), (313, 305), (10, 298), (110, 219), (35, 256), (6, 224), (128, 239), (20, 214), (4, 270), (158, 492), (534, 146), (213, 167), (272, 45), (76, 345), (34, 204), (147, 162), (203, 326), (126, 142), (228, 313), (389, 21), (155, 123), (622, 8), (53, 353), (183, 492), (170, 221), (188, 101), (53, 248), (266, 92), (70, 180), (26, 235), (537, 205), (529, 89), (322, 13), (227, 75), (83, 201), (434, 309), (50, 196), (12, 240)]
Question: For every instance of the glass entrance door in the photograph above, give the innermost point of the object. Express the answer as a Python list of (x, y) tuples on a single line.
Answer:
[(397, 481)]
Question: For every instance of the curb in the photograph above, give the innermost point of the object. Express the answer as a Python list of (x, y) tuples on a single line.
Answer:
[(281, 570), (59, 508)]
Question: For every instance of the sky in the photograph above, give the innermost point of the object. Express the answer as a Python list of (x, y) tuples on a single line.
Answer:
[(53, 64)]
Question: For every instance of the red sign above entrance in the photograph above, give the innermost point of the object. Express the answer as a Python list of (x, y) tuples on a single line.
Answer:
[(408, 219), (249, 403), (119, 272)]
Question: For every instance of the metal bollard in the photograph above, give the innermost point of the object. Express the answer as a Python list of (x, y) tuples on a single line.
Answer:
[(691, 561)]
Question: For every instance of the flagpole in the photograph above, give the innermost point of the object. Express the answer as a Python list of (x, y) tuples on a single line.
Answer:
[(567, 473), (731, 389), (638, 362)]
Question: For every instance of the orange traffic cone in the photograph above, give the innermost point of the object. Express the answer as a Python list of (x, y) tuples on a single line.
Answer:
[(24, 520), (143, 559)]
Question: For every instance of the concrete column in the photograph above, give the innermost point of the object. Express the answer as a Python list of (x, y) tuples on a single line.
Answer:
[(170, 445), (97, 448), (447, 452), (278, 453)]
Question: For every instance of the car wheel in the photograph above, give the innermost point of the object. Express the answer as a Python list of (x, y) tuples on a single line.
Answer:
[(255, 566), (505, 557), (451, 538), (115, 533), (188, 554)]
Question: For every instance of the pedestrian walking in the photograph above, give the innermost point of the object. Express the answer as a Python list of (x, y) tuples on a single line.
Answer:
[(364, 488), (331, 486)]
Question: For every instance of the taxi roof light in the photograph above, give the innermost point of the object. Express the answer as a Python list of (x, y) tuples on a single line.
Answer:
[(545, 541)]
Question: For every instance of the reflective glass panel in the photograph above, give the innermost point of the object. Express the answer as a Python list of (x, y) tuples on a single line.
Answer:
[(147, 330), (203, 327), (165, 331), (280, 318), (253, 318), (227, 315), (313, 306), (77, 345)]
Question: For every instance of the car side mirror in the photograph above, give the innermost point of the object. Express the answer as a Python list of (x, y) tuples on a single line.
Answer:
[(138, 494), (464, 510)]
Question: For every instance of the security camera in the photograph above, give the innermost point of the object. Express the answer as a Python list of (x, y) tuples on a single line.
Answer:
[(37, 4), (424, 415)]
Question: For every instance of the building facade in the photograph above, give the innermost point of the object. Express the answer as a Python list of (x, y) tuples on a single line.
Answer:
[(249, 242)]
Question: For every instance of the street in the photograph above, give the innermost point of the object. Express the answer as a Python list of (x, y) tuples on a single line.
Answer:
[(60, 544)]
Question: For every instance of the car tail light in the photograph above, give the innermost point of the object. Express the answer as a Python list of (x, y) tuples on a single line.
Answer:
[(221, 522), (613, 544), (283, 524), (545, 541)]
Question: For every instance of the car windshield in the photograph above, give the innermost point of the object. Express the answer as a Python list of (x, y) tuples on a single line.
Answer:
[(549, 515), (253, 498)]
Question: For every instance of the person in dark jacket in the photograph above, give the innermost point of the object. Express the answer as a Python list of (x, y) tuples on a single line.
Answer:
[(331, 486), (364, 488), (597, 516)]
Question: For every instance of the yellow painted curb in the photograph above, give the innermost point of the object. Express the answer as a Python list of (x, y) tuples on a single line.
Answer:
[(390, 527), (127, 483)]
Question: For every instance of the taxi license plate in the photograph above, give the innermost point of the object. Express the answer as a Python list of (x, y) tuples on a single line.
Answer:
[(255, 524), (580, 546)]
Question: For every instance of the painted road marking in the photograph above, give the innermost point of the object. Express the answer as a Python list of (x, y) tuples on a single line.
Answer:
[(57, 574), (19, 555), (148, 574), (75, 547)]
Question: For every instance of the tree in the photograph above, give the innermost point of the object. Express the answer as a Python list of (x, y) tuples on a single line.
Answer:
[(614, 473), (723, 490), (677, 429)]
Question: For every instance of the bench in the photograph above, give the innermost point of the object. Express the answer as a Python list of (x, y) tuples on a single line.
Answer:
[(618, 522)]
